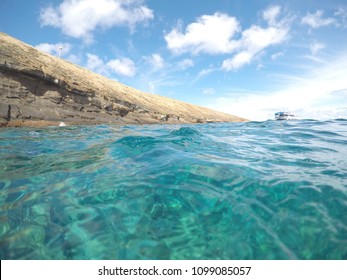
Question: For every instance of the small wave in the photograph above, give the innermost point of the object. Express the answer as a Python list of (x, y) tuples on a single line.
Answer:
[(186, 132)]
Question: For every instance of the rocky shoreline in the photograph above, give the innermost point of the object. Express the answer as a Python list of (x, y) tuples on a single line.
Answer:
[(37, 89)]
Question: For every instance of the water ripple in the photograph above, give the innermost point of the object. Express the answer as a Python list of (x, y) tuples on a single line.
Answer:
[(256, 190)]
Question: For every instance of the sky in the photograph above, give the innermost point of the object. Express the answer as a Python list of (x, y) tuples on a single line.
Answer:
[(247, 58)]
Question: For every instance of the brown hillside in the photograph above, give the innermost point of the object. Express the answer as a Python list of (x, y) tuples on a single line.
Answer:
[(41, 89)]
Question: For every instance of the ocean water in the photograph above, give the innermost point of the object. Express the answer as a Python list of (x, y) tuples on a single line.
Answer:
[(256, 190)]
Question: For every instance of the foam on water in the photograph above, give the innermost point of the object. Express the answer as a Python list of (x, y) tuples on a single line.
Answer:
[(257, 190)]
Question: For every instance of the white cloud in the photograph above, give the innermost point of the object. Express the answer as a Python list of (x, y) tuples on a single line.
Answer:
[(205, 72), (123, 66), (95, 64), (320, 94), (237, 61), (256, 39), (209, 34), (185, 63), (316, 46), (50, 17), (61, 49), (79, 19), (216, 34), (316, 20), (271, 14), (156, 61)]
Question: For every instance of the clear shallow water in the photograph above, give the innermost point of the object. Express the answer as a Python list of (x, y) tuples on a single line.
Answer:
[(257, 190)]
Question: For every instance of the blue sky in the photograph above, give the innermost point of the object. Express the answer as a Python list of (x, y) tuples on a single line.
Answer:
[(248, 58)]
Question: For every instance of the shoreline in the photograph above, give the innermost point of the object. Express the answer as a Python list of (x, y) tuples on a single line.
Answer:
[(44, 123)]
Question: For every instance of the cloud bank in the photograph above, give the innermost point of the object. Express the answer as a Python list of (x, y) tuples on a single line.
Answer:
[(222, 34), (79, 19)]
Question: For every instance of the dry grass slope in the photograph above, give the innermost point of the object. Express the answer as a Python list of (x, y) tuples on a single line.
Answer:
[(71, 84)]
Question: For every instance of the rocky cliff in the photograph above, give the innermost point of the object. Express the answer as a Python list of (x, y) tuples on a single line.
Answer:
[(40, 89)]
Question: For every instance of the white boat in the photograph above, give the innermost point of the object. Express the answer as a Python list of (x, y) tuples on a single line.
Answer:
[(284, 116)]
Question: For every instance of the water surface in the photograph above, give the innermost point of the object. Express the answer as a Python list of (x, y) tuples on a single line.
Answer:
[(257, 190)]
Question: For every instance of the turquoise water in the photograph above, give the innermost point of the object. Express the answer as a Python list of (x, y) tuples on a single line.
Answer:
[(257, 190)]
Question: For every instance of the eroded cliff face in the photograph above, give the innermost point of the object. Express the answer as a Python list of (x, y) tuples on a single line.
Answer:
[(26, 99), (40, 89)]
